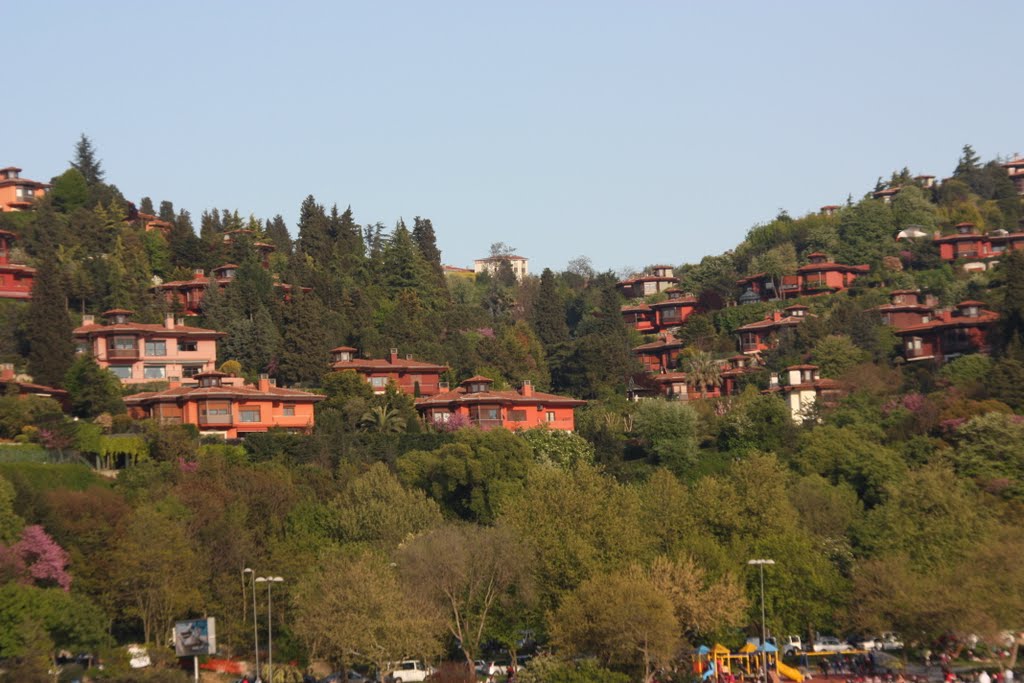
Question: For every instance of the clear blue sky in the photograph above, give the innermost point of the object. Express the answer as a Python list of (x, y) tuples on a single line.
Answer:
[(630, 132)]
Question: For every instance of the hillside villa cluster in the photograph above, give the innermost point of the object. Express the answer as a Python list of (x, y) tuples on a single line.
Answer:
[(184, 356)]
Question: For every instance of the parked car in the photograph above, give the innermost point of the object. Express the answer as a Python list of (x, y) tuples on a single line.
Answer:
[(890, 640), (791, 645), (350, 677), (830, 644), (865, 642), (488, 668), (410, 670)]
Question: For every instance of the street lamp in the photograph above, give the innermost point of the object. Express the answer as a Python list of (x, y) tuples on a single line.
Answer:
[(255, 631), (270, 581), (764, 635)]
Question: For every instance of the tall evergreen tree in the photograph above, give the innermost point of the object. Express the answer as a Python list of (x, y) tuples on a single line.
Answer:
[(51, 349), (1011, 311), (86, 162), (549, 313), (277, 232), (93, 389), (304, 341), (426, 241), (314, 238), (146, 206), (167, 211)]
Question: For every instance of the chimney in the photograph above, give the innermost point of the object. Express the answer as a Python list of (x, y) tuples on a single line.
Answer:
[(169, 321), (394, 356), (264, 383), (88, 320), (527, 389), (776, 316), (408, 356), (173, 382), (442, 386), (6, 371), (773, 380), (198, 272)]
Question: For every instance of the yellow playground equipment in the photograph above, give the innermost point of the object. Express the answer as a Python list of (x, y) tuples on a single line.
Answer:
[(715, 662)]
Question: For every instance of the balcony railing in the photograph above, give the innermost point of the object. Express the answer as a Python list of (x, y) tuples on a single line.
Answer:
[(485, 423), (750, 346), (132, 354), (215, 420)]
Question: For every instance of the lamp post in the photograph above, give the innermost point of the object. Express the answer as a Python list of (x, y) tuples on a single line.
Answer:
[(764, 635), (255, 631), (270, 581)]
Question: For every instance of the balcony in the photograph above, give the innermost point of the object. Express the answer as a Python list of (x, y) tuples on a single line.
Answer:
[(486, 423), (123, 354), (212, 420)]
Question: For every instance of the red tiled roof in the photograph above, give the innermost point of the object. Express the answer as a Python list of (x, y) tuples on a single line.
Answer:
[(983, 319), (245, 392), (970, 302), (668, 341), (639, 308), (371, 364), (1014, 163), (477, 379), (684, 301), (769, 323), (8, 235), (147, 329), (344, 348), (116, 311), (805, 366), (461, 396), (829, 265)]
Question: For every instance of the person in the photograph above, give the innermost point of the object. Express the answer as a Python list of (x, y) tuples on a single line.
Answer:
[(1008, 675), (983, 677), (510, 673)]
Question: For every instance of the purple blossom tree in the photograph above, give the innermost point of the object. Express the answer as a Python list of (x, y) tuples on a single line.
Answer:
[(36, 558)]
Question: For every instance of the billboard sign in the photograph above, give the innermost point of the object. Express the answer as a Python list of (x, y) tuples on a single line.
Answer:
[(195, 637)]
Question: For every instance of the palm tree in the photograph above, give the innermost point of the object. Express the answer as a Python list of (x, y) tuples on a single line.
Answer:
[(703, 370), (383, 419)]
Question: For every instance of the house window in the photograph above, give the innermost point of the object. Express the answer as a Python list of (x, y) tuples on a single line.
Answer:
[(122, 371), (156, 347), (550, 416), (249, 415), (288, 410), (154, 372), (441, 416), (185, 345), (80, 347), (122, 346), (517, 416), (378, 382), (190, 371)]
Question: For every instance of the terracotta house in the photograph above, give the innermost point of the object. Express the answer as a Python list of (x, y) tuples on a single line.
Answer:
[(829, 209), (887, 194), (949, 334), (15, 279), (17, 193), (1015, 168), (906, 308), (676, 385), (659, 279), (188, 294), (475, 400), (966, 242), (413, 377), (152, 223), (10, 382), (138, 352), (640, 317), (660, 355), (661, 315), (822, 276), (222, 405), (763, 335)]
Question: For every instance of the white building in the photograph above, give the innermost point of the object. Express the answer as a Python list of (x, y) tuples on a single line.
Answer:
[(520, 265)]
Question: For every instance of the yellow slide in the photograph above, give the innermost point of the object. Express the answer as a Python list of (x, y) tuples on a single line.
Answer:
[(789, 672)]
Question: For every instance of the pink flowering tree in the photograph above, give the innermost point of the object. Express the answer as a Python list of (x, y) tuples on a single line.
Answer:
[(36, 559)]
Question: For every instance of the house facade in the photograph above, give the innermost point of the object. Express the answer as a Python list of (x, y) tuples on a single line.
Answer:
[(15, 279), (139, 353), (763, 335), (187, 295), (660, 355), (968, 243), (805, 389), (661, 315), (520, 265), (818, 276), (17, 193), (906, 308), (413, 377), (949, 334), (658, 279), (476, 402), (221, 405), (10, 382), (1015, 169)]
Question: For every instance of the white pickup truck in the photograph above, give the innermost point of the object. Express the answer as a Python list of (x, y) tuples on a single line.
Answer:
[(408, 671)]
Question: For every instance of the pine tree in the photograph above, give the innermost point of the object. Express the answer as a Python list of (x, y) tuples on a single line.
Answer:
[(167, 211), (549, 313), (304, 341), (426, 241), (1011, 312), (51, 349), (277, 233), (968, 164), (146, 206), (314, 238), (86, 162)]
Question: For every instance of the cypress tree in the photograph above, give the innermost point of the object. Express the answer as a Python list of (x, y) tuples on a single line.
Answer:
[(426, 241), (86, 162), (146, 206), (167, 212), (549, 312), (51, 349)]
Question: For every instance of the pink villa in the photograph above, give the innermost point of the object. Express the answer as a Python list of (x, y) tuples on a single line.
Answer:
[(411, 376), (222, 405), (139, 353), (15, 279), (763, 335), (478, 403)]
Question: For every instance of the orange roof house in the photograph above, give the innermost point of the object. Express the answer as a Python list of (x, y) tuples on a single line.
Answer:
[(968, 243), (24, 387), (188, 294), (806, 389), (138, 352), (413, 377), (906, 308), (763, 335), (639, 316), (17, 193), (661, 315), (950, 334), (659, 355), (1015, 168), (887, 194), (15, 279), (821, 275), (483, 407), (222, 405)]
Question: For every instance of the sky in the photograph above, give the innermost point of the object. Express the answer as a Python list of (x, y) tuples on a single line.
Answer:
[(631, 133)]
